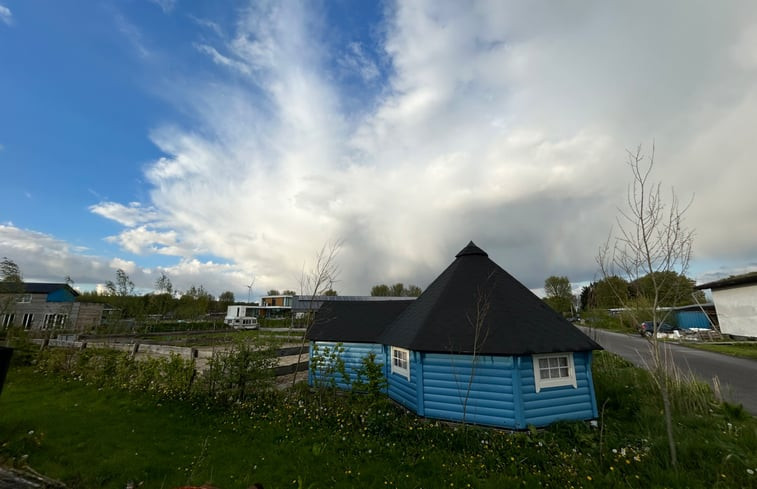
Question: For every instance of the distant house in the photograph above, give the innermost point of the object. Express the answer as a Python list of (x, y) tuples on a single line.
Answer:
[(278, 306), (42, 306), (695, 316), (477, 346), (735, 301)]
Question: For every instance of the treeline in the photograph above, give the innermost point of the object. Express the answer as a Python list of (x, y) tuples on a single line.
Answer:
[(163, 304), (396, 290), (188, 306), (673, 290), (612, 292)]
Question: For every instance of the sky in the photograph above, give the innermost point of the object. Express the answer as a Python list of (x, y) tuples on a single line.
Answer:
[(225, 143)]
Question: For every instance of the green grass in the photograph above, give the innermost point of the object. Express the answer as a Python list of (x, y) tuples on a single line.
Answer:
[(102, 437), (743, 350), (598, 318)]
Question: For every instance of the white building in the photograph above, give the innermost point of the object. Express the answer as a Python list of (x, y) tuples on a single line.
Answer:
[(735, 301)]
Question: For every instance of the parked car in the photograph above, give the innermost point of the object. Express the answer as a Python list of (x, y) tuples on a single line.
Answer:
[(647, 328)]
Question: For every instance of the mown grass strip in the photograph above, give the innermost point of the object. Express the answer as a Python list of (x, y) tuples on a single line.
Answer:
[(742, 350)]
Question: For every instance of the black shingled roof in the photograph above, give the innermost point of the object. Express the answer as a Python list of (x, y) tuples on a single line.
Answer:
[(354, 321), (35, 288), (442, 319)]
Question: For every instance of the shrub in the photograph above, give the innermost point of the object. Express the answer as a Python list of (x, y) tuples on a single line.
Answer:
[(370, 377), (241, 371)]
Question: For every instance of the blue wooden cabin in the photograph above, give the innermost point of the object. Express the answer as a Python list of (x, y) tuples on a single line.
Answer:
[(477, 347), (352, 327)]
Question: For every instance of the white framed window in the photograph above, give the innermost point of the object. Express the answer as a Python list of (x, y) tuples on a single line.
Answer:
[(401, 362), (28, 320), (54, 321), (554, 370), (8, 320), (24, 299)]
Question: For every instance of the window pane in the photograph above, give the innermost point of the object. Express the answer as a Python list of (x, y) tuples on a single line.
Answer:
[(552, 362), (563, 361), (543, 363), (544, 373), (564, 372)]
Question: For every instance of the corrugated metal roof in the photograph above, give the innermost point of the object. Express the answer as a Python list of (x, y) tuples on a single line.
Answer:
[(735, 281)]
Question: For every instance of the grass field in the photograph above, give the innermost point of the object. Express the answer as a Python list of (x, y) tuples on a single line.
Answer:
[(743, 350), (90, 436)]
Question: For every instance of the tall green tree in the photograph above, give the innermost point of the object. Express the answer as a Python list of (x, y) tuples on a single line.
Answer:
[(122, 287), (226, 297), (9, 271), (559, 294), (13, 285), (163, 284), (610, 292), (194, 303), (396, 290), (673, 289), (381, 290)]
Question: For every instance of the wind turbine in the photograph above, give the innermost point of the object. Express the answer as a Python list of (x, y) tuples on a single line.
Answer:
[(249, 289)]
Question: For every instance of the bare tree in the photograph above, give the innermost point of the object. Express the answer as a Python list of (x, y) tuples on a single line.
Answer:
[(315, 281), (480, 334), (651, 237)]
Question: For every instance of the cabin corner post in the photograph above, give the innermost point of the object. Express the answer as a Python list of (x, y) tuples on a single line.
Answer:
[(520, 419), (310, 364), (590, 379), (419, 381)]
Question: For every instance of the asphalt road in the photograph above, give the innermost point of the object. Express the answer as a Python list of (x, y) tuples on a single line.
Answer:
[(737, 376)]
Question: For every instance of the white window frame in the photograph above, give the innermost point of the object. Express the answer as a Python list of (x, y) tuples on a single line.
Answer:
[(8, 319), (24, 299), (400, 365), (28, 320), (562, 380), (54, 320)]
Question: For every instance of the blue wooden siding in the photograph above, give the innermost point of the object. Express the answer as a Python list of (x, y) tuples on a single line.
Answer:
[(692, 319), (459, 388), (552, 404), (501, 391), (60, 295), (402, 390), (352, 355)]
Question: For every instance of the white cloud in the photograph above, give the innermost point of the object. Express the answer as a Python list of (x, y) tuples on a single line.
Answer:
[(44, 258), (166, 5), (142, 240), (5, 15), (220, 59), (128, 215), (208, 24), (133, 35), (357, 61), (500, 122)]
